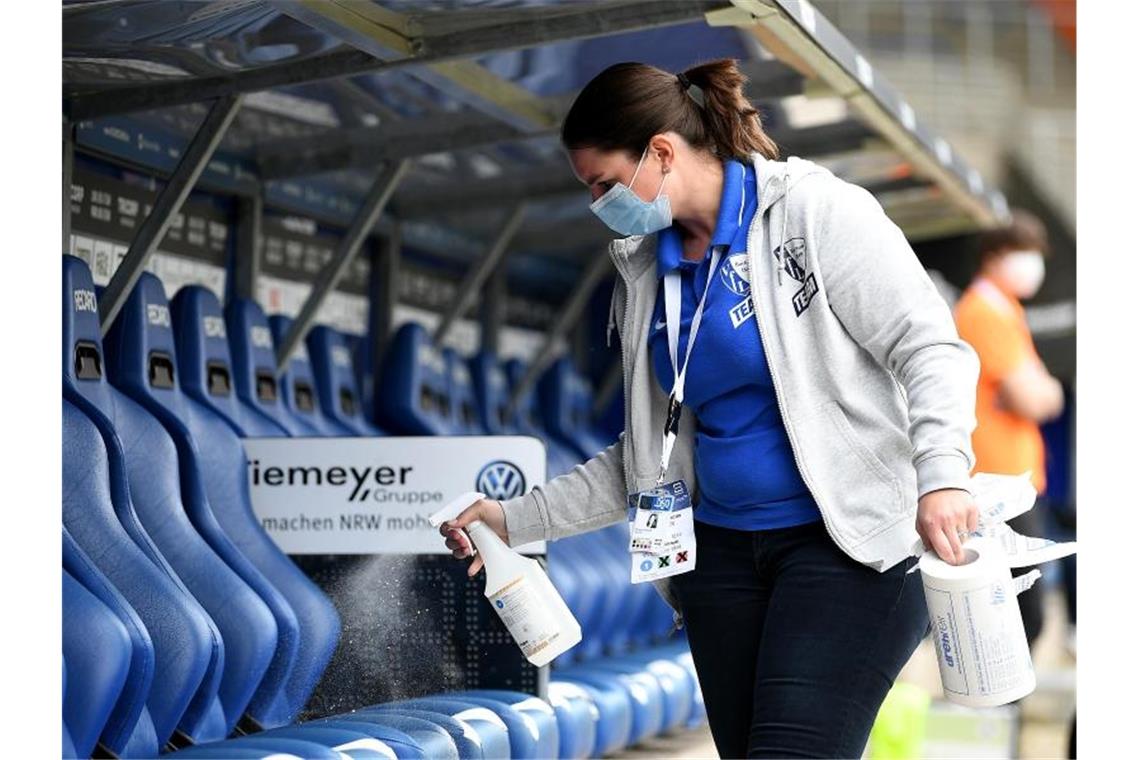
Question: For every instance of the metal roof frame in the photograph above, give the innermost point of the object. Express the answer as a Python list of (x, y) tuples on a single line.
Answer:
[(810, 43), (802, 53), (418, 39)]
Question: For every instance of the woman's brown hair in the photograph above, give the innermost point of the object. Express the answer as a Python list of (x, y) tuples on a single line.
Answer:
[(628, 103)]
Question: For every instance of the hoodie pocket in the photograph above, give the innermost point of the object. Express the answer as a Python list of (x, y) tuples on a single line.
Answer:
[(867, 494)]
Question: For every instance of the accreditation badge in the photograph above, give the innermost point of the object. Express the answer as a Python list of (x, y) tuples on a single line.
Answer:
[(662, 542)]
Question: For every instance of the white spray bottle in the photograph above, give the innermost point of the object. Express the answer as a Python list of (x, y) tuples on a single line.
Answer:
[(519, 590)]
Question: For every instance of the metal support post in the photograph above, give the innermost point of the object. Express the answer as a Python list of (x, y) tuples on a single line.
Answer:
[(153, 228), (566, 318), (247, 251), (370, 209), (478, 272)]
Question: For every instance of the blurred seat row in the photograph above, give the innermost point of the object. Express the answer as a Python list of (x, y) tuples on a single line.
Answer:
[(187, 631)]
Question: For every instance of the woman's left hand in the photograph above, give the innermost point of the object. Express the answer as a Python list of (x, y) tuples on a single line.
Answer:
[(944, 518)]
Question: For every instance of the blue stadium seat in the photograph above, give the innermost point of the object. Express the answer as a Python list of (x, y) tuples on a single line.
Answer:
[(336, 383), (401, 743), (491, 394), (615, 709), (578, 718), (567, 408), (641, 689), (528, 421), (494, 735), (186, 647), (360, 346), (432, 740), (299, 387), (67, 745), (678, 682), (464, 417), (352, 742), (205, 370), (129, 730), (589, 604), (255, 366), (260, 746), (532, 722), (467, 743), (97, 648), (414, 397), (202, 354), (142, 361), (146, 492)]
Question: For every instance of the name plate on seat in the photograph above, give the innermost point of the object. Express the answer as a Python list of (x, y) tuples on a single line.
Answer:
[(374, 495)]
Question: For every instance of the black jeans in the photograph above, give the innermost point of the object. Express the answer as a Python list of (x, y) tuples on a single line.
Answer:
[(795, 644)]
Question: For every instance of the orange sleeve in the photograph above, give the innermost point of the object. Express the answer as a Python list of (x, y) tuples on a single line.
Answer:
[(999, 342)]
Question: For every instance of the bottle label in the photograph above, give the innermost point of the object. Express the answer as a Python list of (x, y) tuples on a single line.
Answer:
[(526, 615)]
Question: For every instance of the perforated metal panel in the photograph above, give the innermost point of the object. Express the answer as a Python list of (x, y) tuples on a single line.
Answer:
[(411, 626)]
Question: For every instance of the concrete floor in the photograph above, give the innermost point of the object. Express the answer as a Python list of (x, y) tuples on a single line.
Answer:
[(1045, 713)]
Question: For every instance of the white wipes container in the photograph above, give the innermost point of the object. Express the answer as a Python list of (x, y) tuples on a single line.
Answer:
[(979, 636), (983, 655), (519, 590)]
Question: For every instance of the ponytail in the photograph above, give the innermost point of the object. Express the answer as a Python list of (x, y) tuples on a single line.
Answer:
[(628, 103), (731, 123)]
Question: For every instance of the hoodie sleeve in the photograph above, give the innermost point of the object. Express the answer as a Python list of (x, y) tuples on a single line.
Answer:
[(886, 301), (590, 496)]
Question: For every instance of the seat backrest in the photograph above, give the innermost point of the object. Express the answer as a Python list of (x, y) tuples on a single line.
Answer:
[(97, 649), (360, 346), (298, 385), (205, 370), (336, 383), (158, 562), (255, 365), (528, 420), (414, 397), (464, 416), (566, 402), (528, 417), (223, 460), (142, 362), (491, 394)]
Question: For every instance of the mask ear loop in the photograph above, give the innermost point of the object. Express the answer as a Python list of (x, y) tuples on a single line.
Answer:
[(664, 174)]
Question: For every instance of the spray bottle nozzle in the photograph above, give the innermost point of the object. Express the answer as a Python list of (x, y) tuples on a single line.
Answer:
[(454, 507)]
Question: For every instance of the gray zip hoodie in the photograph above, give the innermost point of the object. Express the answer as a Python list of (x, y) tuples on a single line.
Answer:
[(875, 388)]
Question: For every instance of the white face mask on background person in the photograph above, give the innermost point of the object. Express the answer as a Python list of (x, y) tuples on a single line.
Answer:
[(1022, 272)]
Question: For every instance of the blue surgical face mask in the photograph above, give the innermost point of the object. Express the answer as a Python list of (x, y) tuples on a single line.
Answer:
[(627, 214)]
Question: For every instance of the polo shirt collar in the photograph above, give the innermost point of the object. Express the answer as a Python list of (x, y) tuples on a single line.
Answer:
[(733, 202)]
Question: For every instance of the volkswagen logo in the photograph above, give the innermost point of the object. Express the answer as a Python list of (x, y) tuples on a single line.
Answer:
[(500, 480)]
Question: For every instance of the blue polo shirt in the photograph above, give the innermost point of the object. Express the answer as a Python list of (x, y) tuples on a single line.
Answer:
[(744, 463)]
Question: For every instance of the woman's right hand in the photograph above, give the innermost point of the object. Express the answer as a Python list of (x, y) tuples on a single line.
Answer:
[(490, 513)]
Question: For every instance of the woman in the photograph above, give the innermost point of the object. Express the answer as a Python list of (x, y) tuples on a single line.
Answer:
[(827, 408)]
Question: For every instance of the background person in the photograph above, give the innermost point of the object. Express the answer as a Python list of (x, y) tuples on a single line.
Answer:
[(811, 471), (1015, 390)]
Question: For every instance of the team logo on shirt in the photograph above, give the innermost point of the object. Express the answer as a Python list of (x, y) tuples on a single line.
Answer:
[(735, 275), (794, 258)]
